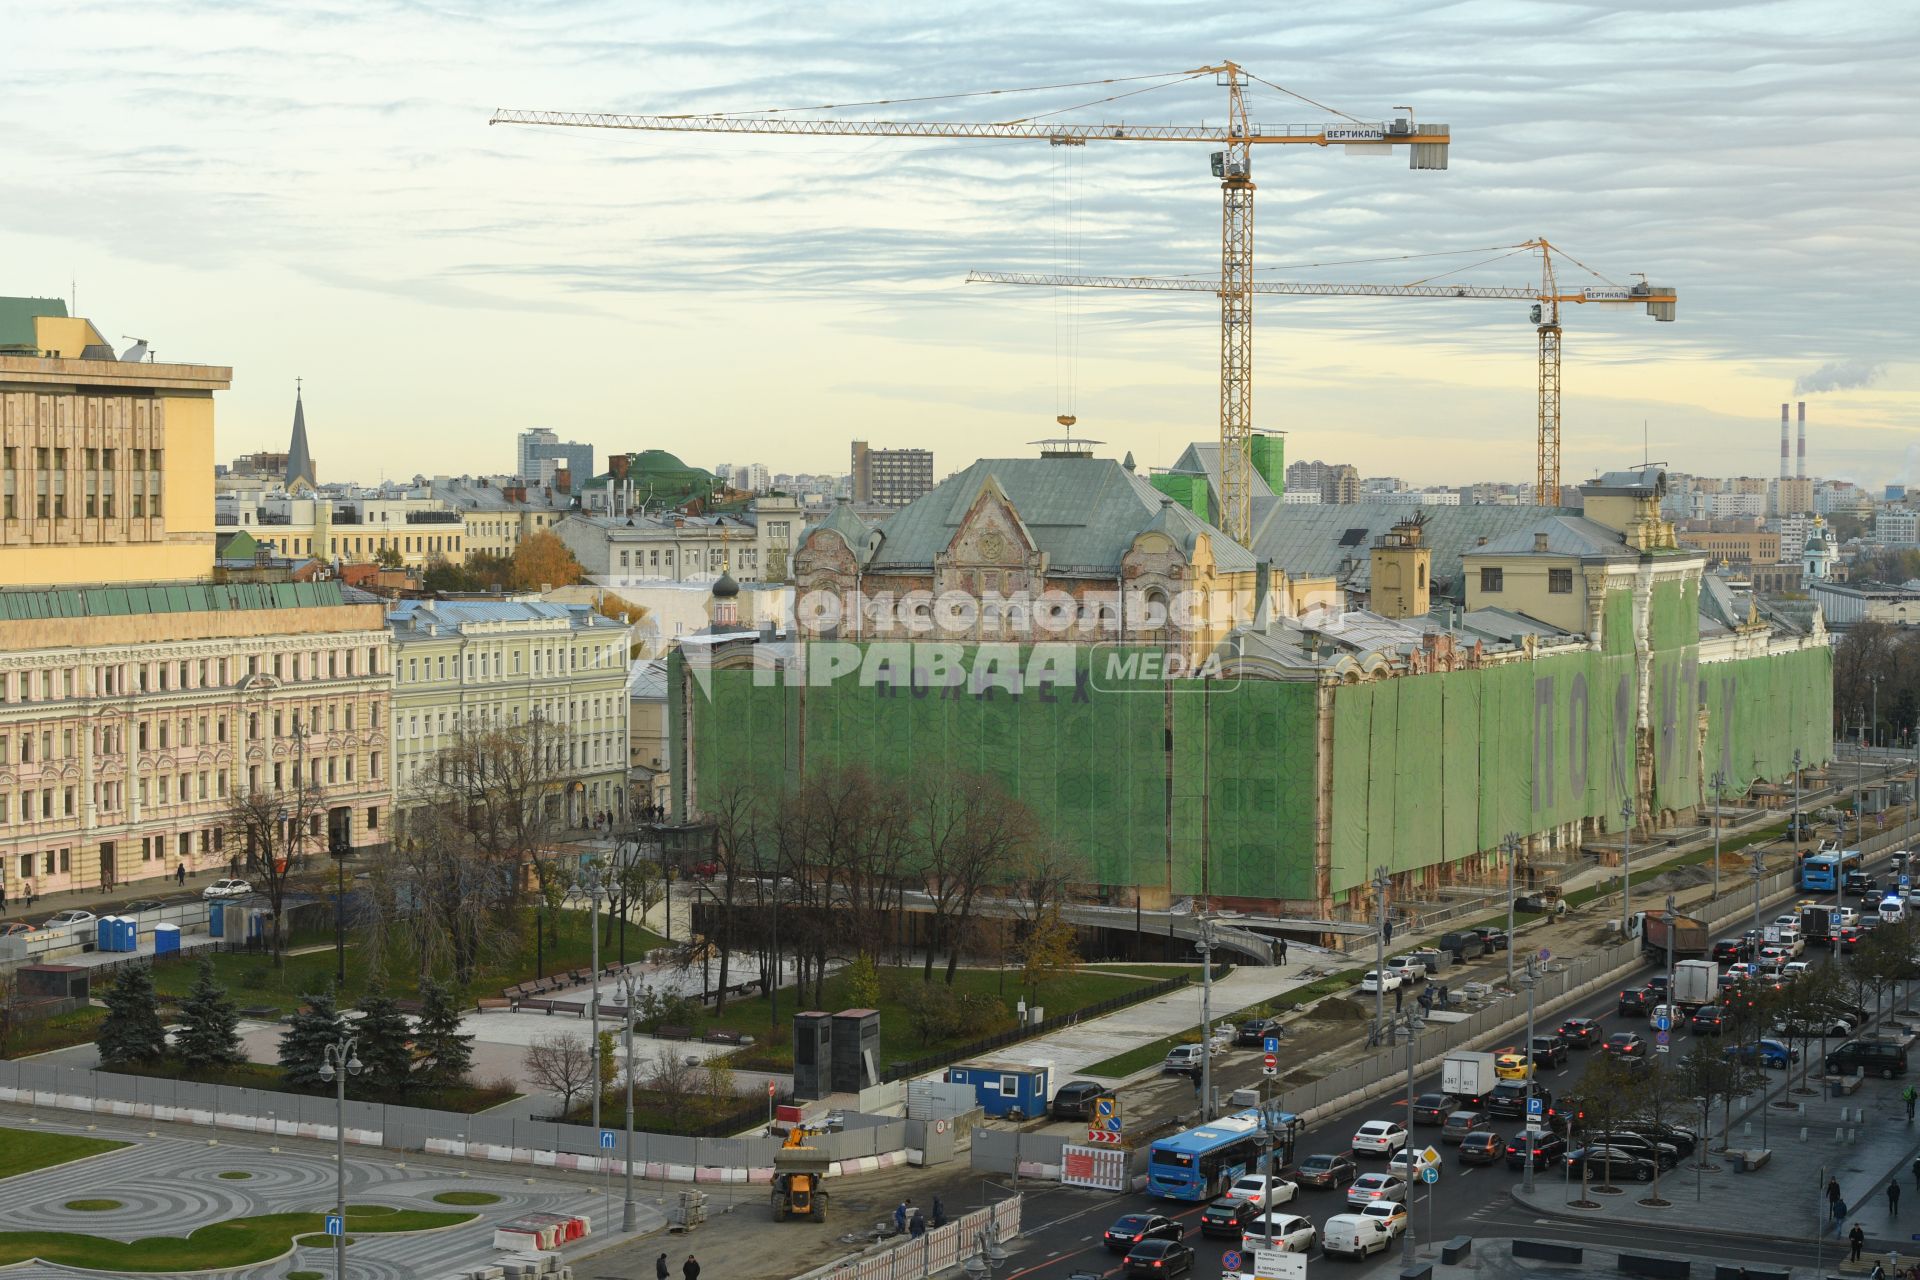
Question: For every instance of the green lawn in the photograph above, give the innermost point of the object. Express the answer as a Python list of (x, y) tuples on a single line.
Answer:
[(62, 1031), (24, 1150), (1156, 972), (238, 1242), (466, 1099)]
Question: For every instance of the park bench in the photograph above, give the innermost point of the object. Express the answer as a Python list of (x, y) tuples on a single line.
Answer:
[(577, 1008), (673, 1033), (487, 1004)]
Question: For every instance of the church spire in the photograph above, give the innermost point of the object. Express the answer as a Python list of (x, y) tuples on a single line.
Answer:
[(300, 471)]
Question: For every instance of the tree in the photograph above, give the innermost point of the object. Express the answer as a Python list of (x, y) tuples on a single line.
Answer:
[(633, 882), (863, 982), (625, 612), (12, 1008), (563, 1065), (607, 1062), (967, 833), (443, 576), (208, 1022), (1048, 950), (1662, 1099), (381, 1038), (542, 562), (720, 1086), (388, 556), (443, 1056), (1709, 1074), (1608, 1097), (315, 1026), (672, 1075), (278, 831), (1805, 1010), (132, 1033)]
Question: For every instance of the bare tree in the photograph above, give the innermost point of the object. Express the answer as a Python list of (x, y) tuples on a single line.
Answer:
[(968, 833), (565, 1065), (737, 856), (455, 902), (276, 833), (674, 1075)]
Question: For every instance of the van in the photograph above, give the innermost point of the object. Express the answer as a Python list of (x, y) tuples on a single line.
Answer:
[(1460, 946), (1874, 1057), (1354, 1236), (1892, 910)]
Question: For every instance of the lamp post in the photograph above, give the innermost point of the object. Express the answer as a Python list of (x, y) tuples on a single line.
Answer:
[(1797, 823), (1626, 864), (339, 850), (1528, 980), (1511, 848), (1719, 782), (1205, 947), (987, 1252), (339, 1063), (1380, 886), (593, 928), (1759, 870), (629, 1208)]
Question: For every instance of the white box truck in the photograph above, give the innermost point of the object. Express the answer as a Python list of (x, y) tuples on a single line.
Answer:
[(1695, 983), (1468, 1075)]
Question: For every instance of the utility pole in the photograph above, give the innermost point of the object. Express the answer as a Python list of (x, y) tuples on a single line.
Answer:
[(1380, 885), (1626, 864), (1409, 1024), (1797, 824), (1759, 870), (1671, 1006), (1511, 848), (629, 1210), (1719, 782), (1532, 1067), (593, 927), (1205, 947)]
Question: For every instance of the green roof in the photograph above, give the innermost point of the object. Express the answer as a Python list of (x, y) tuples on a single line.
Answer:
[(194, 597), (17, 316)]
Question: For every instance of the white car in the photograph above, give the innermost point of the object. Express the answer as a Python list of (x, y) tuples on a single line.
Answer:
[(1892, 910), (226, 889), (1794, 968), (1369, 1187), (1409, 969), (1377, 980), (1379, 1138), (1849, 916), (1262, 1191), (67, 919), (1410, 1164), (1282, 1231)]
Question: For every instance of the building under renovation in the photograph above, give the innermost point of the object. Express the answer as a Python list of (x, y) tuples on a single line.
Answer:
[(1583, 677)]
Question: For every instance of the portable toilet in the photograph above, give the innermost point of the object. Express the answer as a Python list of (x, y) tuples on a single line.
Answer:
[(216, 919), (126, 934), (106, 933), (166, 940), (257, 927), (1004, 1088)]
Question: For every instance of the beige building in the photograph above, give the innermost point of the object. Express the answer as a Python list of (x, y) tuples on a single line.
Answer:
[(1735, 548), (648, 769), (498, 513)]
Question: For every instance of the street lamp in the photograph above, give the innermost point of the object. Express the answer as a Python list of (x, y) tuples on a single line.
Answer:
[(1719, 782), (1528, 980), (1380, 885), (338, 841), (1626, 864), (987, 1252), (1511, 848), (629, 1209), (1797, 822), (1205, 947), (593, 928), (338, 1063)]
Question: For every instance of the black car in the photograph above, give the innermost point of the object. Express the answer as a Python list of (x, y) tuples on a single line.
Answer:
[(1134, 1228), (1727, 951), (1509, 1098), (1580, 1033), (1482, 1147), (1497, 939), (1434, 1108), (1543, 1149), (140, 904), (1227, 1217), (1707, 1020), (1160, 1258), (1639, 1144), (1610, 1163), (1861, 885), (1683, 1141), (1549, 1051), (1636, 1002), (1254, 1031), (1327, 1169), (1074, 1100), (1626, 1044)]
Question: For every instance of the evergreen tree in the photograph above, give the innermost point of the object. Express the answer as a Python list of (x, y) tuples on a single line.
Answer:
[(303, 1046), (132, 1032), (445, 1055), (383, 1036), (207, 1023)]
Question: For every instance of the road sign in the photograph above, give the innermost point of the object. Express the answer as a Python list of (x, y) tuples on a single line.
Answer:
[(1663, 1022), (1278, 1264), (1230, 1260), (1545, 954), (1113, 1124), (336, 1225), (1271, 1044), (1105, 1105), (1661, 1037), (1906, 882), (1535, 1106), (1429, 1175), (606, 1139), (1269, 1061), (1661, 1048), (770, 1088), (1431, 1156)]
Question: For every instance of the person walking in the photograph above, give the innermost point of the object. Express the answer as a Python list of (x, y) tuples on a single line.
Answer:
[(1857, 1240), (1907, 1095), (940, 1210), (690, 1268), (180, 875), (1399, 994), (32, 895), (1893, 1199), (1283, 951), (1833, 1193), (916, 1225), (900, 1217), (660, 1267)]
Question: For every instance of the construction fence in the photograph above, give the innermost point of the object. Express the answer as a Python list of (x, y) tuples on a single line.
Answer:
[(939, 1250)]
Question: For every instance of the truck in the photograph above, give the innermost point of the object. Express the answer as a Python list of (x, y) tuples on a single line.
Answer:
[(1689, 936), (797, 1171), (1695, 983), (1468, 1075), (1817, 925)]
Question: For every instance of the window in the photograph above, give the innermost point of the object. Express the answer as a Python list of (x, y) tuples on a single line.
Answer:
[(1009, 1085), (1491, 580), (1560, 582)]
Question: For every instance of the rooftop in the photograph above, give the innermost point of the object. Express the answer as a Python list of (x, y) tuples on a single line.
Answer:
[(122, 601)]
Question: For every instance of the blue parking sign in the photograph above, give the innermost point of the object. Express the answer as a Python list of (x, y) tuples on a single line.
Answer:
[(1535, 1106), (1270, 1045), (606, 1139)]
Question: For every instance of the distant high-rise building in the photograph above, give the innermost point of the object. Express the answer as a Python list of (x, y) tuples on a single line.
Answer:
[(541, 445), (890, 477), (1335, 482)]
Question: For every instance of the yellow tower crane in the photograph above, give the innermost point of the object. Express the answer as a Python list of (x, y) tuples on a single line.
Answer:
[(1237, 135), (1547, 299)]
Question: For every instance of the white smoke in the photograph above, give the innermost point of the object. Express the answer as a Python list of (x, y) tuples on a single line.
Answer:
[(1839, 375)]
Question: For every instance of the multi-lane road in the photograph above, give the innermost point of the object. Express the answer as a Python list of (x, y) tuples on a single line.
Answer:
[(1063, 1226)]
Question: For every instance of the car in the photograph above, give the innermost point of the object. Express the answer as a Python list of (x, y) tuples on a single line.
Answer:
[(67, 919), (1410, 1164), (1849, 916), (12, 928), (1462, 1123), (1391, 1212), (1726, 951), (1130, 1229), (1253, 1032), (1159, 1257), (1670, 1014), (1434, 1108), (1683, 1141), (1809, 1028), (1657, 987), (1355, 1235), (226, 889), (1380, 980), (1369, 1187), (1666, 1154), (1626, 1044), (1261, 1191), (1498, 939), (1182, 1058), (1286, 1232), (1873, 1057), (1541, 1149), (1634, 1002), (1327, 1169), (1795, 968), (1850, 938), (138, 905), (1548, 1051), (1707, 1020), (1410, 968), (1509, 1098), (1379, 1138), (1227, 1217), (1593, 1161), (1483, 1146), (1511, 1064), (1580, 1033), (1074, 1100)]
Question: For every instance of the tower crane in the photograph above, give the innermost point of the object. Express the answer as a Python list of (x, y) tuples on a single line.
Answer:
[(1547, 300), (1237, 135)]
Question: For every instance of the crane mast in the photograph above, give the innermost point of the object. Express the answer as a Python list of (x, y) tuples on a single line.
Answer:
[(1235, 168)]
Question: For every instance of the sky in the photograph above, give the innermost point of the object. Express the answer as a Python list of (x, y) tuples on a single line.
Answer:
[(312, 190)]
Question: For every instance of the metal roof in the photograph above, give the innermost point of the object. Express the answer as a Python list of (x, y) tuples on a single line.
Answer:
[(451, 616), (17, 315), (123, 601), (647, 680), (1332, 540), (1566, 536)]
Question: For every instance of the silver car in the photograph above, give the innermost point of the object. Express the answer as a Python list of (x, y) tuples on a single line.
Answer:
[(1373, 1188)]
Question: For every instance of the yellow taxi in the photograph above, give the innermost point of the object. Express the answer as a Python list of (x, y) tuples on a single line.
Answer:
[(1511, 1064)]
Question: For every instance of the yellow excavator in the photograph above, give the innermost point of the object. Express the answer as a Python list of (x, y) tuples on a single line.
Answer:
[(797, 1171)]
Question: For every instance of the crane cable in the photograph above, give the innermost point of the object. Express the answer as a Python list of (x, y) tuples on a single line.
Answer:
[(936, 97)]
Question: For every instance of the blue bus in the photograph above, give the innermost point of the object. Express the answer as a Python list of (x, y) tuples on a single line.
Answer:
[(1824, 872), (1201, 1163)]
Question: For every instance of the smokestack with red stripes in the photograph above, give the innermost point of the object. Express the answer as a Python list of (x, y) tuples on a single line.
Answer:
[(1786, 461), (1803, 440)]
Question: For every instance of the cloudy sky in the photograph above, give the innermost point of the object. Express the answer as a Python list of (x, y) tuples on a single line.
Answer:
[(312, 190)]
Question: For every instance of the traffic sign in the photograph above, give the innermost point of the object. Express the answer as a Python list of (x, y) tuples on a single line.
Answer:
[(1535, 1106), (770, 1088), (1113, 1124), (606, 1139), (1545, 954), (1429, 1175), (1269, 1061), (1278, 1264), (1104, 1106), (1661, 1037), (1661, 1048), (1230, 1260), (1663, 1022), (1271, 1045), (1906, 882), (1431, 1156), (336, 1225)]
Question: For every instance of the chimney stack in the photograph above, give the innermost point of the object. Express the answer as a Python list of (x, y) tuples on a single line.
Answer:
[(1786, 462), (1803, 440)]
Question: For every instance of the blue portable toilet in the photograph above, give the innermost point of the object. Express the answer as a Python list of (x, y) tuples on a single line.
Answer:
[(106, 934), (216, 919), (257, 925), (166, 940), (1003, 1088), (126, 934)]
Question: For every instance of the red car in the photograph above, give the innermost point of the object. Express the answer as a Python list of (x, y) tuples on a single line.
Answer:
[(1581, 1033), (1626, 1044)]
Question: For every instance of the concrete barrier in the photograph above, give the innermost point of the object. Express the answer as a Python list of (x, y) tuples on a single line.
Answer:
[(1747, 1273), (1460, 1246), (1643, 1264), (1548, 1251)]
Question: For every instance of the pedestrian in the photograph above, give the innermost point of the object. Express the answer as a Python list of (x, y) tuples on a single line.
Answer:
[(940, 1210), (180, 875), (1856, 1240), (660, 1267), (3, 895), (1283, 951), (1833, 1191), (32, 894), (900, 1217), (1893, 1199), (690, 1268), (1399, 994), (916, 1225), (1839, 1214), (1907, 1096)]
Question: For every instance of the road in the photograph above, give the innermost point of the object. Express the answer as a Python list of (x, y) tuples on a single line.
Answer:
[(1062, 1236)]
